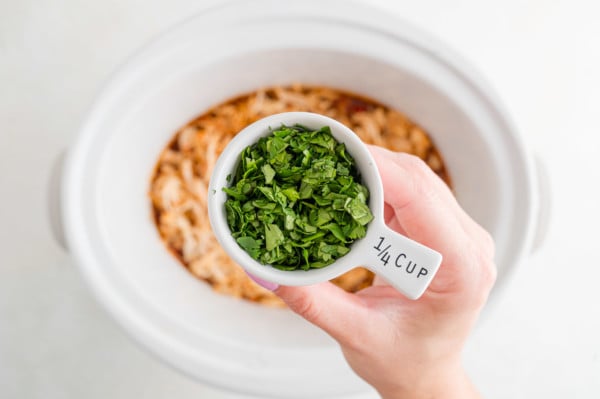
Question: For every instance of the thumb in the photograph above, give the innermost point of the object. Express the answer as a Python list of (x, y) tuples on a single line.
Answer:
[(327, 306)]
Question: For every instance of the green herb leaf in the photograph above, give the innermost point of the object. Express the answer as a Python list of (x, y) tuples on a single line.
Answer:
[(268, 172), (250, 245), (274, 236), (359, 211)]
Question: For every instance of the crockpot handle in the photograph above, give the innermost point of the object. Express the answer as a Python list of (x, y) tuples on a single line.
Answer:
[(54, 200), (544, 204)]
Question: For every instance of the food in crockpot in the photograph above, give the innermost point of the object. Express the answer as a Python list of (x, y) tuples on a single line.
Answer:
[(179, 184), (295, 200)]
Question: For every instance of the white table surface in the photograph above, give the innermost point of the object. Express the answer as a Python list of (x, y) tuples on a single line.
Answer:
[(542, 340)]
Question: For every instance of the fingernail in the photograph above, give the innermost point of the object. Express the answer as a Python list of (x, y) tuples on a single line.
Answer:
[(263, 283)]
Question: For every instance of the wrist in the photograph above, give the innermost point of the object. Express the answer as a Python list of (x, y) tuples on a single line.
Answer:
[(447, 382)]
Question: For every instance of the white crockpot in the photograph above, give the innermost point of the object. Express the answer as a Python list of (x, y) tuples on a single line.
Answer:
[(237, 48)]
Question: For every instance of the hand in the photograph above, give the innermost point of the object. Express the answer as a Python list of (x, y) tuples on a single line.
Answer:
[(405, 348)]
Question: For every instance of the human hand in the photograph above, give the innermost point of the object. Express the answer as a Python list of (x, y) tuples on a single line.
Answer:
[(406, 348)]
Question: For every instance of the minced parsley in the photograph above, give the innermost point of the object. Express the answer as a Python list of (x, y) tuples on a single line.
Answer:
[(295, 200)]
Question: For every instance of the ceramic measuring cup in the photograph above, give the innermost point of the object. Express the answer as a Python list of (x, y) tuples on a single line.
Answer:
[(406, 264)]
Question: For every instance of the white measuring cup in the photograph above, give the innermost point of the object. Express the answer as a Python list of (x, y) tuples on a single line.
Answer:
[(405, 264)]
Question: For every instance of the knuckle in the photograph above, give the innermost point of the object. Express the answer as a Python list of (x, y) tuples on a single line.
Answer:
[(483, 273), (486, 259), (414, 164), (488, 243), (487, 279), (489, 272), (420, 176), (482, 248)]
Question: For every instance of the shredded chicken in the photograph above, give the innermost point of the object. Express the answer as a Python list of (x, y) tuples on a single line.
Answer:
[(179, 185)]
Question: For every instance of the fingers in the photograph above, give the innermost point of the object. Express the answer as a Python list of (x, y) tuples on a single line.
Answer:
[(425, 182), (423, 206), (329, 307), (425, 210)]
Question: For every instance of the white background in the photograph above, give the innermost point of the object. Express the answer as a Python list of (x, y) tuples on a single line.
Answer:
[(541, 340)]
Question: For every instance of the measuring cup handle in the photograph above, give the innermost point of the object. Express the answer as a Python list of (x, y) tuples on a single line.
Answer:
[(407, 265)]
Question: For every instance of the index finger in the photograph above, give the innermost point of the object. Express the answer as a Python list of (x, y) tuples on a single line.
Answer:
[(423, 204)]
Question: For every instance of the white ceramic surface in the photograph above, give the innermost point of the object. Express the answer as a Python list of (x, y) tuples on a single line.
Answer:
[(106, 211), (413, 266)]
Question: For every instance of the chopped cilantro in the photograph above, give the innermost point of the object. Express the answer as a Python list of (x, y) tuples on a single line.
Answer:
[(295, 200)]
